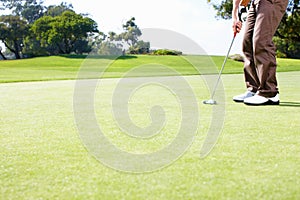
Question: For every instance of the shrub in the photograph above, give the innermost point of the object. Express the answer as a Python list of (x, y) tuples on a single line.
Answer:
[(237, 57), (166, 52)]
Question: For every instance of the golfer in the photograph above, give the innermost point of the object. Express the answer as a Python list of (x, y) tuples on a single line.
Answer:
[(260, 65)]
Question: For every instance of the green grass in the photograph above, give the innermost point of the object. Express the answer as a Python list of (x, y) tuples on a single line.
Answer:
[(66, 67), (42, 157)]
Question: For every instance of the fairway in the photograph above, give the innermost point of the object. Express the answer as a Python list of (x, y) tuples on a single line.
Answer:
[(257, 155), (66, 67)]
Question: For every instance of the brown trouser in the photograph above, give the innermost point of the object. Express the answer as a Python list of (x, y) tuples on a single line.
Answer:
[(260, 65)]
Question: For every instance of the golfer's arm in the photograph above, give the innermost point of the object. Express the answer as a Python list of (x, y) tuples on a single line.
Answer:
[(235, 9)]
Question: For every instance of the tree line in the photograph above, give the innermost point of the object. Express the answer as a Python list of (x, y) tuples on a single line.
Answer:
[(287, 37), (32, 29)]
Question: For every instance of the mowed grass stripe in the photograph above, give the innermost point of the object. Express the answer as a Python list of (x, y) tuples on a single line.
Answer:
[(67, 67)]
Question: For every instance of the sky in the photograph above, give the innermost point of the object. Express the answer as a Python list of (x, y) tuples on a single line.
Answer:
[(193, 18)]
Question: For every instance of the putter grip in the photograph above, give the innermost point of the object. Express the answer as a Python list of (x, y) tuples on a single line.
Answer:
[(240, 18), (240, 14)]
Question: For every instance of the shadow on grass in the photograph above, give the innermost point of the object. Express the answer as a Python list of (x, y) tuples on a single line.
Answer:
[(73, 56), (126, 57), (112, 57), (290, 104)]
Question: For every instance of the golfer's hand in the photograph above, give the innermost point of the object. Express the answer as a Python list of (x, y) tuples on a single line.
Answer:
[(237, 26)]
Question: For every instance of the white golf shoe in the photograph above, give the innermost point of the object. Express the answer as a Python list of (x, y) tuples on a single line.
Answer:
[(242, 97), (257, 100)]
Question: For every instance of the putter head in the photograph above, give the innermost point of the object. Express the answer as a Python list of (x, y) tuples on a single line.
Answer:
[(210, 102)]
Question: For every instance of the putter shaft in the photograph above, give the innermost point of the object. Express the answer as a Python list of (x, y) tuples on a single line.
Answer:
[(221, 71)]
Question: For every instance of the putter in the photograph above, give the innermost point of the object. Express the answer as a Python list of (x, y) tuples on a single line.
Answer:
[(211, 101)]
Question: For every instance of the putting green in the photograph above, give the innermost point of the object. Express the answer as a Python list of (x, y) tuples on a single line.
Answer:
[(42, 157)]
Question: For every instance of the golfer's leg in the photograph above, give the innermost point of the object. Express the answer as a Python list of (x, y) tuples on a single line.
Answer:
[(251, 78), (269, 14)]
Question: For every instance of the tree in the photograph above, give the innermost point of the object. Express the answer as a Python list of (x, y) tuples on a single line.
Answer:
[(30, 10), (130, 36), (11, 4), (223, 9), (33, 47), (54, 10), (287, 37), (13, 30), (140, 47), (49, 30), (64, 32), (132, 32), (109, 48), (2, 55), (115, 44)]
